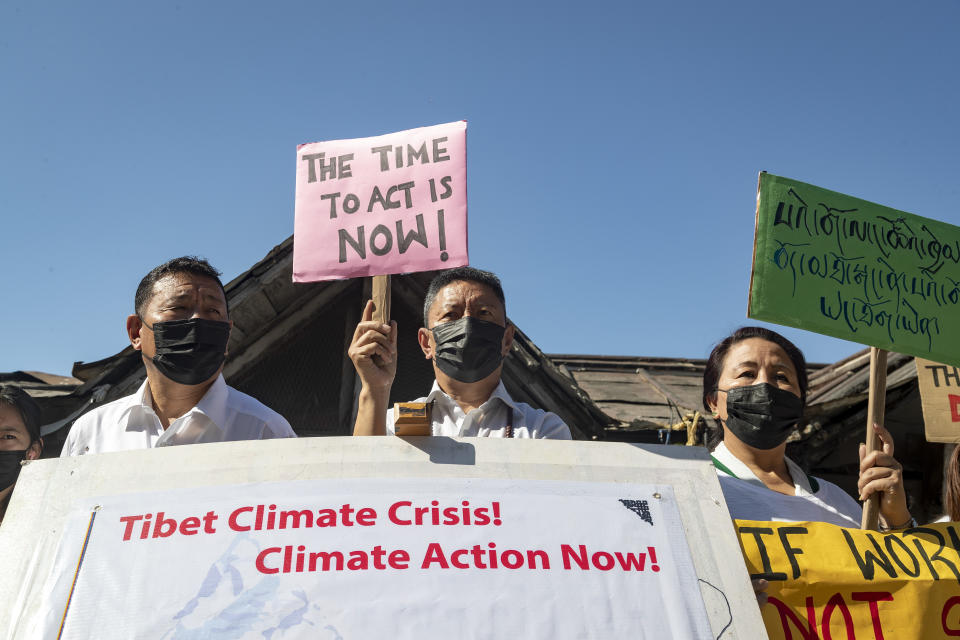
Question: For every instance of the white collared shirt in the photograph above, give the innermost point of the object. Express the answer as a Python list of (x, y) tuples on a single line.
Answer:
[(749, 499), (222, 414), (490, 418)]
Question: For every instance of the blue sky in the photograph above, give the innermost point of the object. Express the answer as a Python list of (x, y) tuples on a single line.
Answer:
[(613, 146)]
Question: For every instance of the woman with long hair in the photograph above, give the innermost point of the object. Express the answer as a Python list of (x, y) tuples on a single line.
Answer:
[(951, 497)]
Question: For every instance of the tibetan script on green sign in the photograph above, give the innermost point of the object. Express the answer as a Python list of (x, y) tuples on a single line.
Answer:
[(852, 269)]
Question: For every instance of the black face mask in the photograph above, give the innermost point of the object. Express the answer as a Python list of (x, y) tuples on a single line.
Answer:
[(10, 466), (190, 351), (761, 415), (468, 349)]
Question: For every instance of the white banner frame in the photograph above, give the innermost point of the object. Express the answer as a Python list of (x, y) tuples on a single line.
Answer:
[(50, 490)]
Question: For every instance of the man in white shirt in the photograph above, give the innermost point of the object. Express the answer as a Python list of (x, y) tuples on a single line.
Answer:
[(181, 327), (466, 335)]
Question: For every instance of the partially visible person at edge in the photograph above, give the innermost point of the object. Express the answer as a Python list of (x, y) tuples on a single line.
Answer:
[(951, 498), (755, 386), (467, 336), (19, 438), (181, 326)]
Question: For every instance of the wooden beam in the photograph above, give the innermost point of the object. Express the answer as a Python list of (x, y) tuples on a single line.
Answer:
[(644, 375), (381, 299), (876, 403)]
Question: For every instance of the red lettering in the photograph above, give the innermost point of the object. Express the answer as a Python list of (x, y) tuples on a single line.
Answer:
[(534, 555), (358, 561), (419, 512), (232, 520), (511, 559), (873, 597), (189, 526), (451, 516), (129, 521), (478, 557), (326, 518), (631, 561), (208, 521), (808, 631), (455, 559), (164, 527), (954, 407), (434, 554), (569, 554), (366, 517), (948, 605), (480, 516), (392, 513), (653, 559), (261, 567), (836, 602), (399, 559), (602, 560), (345, 512), (788, 617), (378, 553)]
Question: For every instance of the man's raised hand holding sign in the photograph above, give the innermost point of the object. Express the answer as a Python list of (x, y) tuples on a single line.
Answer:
[(373, 351), (466, 335)]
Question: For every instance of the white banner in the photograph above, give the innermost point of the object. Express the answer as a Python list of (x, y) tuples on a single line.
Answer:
[(359, 558)]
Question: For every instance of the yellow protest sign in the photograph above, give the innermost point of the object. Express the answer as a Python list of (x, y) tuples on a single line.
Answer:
[(940, 398), (830, 582)]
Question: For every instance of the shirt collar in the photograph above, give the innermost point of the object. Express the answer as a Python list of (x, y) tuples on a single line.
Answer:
[(436, 393), (213, 404), (501, 392), (135, 404), (740, 470)]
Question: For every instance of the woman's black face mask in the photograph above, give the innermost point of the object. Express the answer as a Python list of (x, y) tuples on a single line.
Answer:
[(10, 466), (761, 415), (190, 351), (468, 349)]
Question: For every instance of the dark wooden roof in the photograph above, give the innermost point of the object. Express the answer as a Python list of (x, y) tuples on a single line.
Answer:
[(836, 406), (642, 395)]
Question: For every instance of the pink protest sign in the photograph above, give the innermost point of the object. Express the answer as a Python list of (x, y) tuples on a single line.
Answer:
[(389, 204)]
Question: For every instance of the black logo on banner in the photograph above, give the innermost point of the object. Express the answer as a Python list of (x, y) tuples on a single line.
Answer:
[(639, 507)]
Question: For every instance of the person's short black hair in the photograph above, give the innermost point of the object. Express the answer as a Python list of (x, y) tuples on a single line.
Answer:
[(186, 264), (20, 400), (714, 366), (468, 274)]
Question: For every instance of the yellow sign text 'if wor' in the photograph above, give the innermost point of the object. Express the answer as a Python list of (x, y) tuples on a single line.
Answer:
[(830, 582)]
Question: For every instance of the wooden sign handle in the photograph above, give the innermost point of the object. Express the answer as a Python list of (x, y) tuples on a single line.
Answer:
[(381, 299), (876, 403)]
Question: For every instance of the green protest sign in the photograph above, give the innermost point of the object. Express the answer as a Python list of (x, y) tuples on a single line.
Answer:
[(848, 268)]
